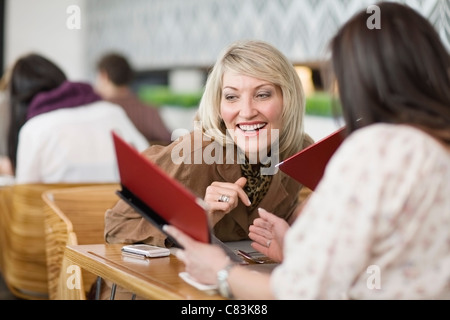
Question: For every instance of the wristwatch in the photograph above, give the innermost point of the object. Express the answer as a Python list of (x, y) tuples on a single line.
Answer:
[(222, 281)]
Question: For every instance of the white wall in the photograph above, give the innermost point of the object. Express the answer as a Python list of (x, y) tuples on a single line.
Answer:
[(41, 26), (160, 33)]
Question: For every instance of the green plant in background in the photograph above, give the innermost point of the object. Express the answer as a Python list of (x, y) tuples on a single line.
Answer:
[(163, 96), (322, 104)]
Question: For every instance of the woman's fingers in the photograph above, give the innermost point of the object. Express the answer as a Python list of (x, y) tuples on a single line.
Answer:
[(183, 239), (224, 196), (263, 232)]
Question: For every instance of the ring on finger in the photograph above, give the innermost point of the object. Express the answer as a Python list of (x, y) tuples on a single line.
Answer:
[(224, 198)]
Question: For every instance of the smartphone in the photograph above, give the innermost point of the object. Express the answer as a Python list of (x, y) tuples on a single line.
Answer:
[(145, 250)]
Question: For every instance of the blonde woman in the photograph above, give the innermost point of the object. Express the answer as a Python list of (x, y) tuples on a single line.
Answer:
[(250, 118)]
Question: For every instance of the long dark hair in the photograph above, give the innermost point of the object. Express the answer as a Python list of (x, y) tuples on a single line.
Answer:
[(399, 73), (30, 75)]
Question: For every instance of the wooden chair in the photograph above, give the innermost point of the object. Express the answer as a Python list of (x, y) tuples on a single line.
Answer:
[(23, 255), (5, 195), (74, 216)]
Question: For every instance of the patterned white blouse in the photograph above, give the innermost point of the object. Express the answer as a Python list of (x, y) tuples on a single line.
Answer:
[(378, 224)]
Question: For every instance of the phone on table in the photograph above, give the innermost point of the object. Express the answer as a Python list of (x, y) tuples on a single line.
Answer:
[(145, 251)]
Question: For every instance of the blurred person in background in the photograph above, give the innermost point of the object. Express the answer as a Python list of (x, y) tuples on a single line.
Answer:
[(60, 130), (114, 77)]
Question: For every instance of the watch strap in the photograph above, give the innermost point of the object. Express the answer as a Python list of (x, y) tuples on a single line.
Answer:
[(222, 281)]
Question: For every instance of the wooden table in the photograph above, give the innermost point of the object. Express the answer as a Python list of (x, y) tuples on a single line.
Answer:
[(155, 278)]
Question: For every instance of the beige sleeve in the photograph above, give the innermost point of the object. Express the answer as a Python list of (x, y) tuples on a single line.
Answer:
[(124, 225)]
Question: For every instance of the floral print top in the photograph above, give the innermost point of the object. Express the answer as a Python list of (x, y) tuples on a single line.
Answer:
[(378, 224)]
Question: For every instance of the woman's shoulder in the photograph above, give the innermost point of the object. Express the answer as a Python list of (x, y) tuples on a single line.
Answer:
[(95, 109), (386, 133), (106, 107), (390, 141)]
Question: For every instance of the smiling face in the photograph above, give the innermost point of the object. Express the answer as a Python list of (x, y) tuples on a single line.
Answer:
[(251, 109)]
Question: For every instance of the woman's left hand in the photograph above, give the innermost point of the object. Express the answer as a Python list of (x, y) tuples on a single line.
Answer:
[(268, 233)]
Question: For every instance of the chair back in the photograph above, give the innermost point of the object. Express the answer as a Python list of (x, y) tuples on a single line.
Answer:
[(5, 206), (74, 216), (23, 254)]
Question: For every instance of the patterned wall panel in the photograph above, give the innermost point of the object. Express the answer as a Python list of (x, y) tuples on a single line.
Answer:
[(166, 33)]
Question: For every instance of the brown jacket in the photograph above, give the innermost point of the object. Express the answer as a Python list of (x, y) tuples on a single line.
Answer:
[(124, 225)]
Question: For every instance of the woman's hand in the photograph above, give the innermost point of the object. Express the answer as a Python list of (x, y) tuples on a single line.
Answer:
[(268, 233), (202, 260), (222, 197)]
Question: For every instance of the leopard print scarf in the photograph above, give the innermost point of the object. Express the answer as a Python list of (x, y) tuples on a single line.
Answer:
[(257, 184)]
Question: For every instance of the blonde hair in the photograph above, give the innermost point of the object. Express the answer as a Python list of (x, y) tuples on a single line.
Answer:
[(263, 61)]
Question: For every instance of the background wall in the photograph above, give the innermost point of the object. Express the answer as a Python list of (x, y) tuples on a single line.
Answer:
[(40, 25), (162, 33), (158, 34)]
